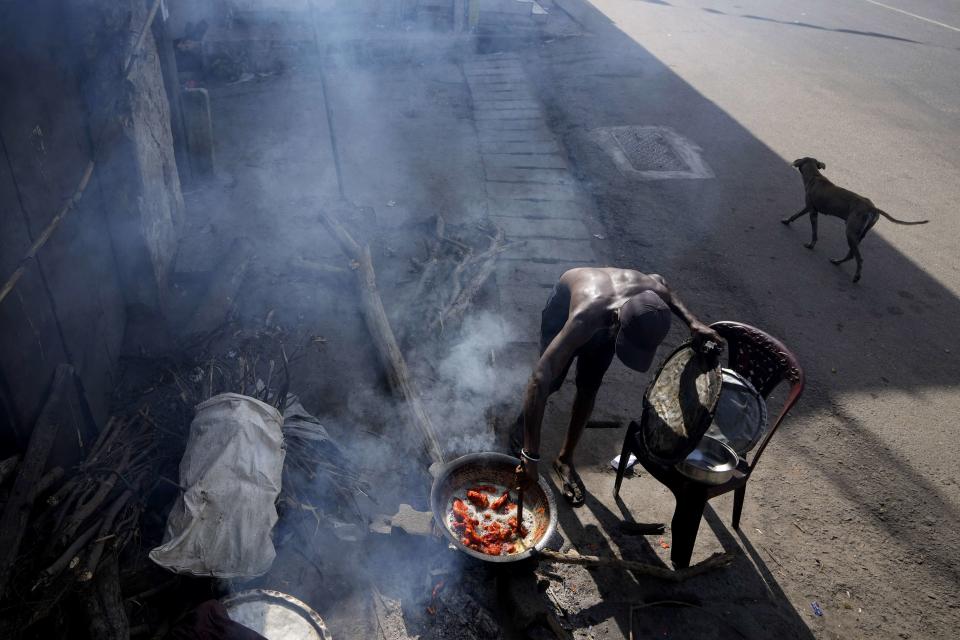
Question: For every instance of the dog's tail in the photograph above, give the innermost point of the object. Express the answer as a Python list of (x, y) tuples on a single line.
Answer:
[(892, 219)]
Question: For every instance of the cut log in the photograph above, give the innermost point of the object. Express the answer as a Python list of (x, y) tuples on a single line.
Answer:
[(103, 602), (715, 561), (375, 317), (13, 523)]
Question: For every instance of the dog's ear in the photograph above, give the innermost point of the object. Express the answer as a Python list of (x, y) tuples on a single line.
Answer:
[(821, 165), (797, 162)]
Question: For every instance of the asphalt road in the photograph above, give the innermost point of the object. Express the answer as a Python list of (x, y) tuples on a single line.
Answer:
[(860, 485)]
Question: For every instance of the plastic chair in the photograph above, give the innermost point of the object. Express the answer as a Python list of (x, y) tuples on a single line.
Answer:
[(766, 362)]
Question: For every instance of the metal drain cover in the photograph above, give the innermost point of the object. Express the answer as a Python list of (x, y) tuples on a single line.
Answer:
[(652, 153)]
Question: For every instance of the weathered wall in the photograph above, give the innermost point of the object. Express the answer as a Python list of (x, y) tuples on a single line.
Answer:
[(68, 307), (130, 116), (60, 81)]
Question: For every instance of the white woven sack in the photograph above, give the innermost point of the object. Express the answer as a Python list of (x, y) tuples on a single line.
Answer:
[(232, 468)]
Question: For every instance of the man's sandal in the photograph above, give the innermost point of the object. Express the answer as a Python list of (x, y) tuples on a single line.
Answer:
[(571, 484)]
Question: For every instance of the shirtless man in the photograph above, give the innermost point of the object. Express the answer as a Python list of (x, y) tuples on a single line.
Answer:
[(592, 314)]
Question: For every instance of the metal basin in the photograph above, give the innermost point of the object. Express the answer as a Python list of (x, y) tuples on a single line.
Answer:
[(712, 462), (491, 468), (275, 615)]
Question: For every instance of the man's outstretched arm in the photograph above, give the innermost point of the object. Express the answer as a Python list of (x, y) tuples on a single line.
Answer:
[(700, 331), (575, 333)]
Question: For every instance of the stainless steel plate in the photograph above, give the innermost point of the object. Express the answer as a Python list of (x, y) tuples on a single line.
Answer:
[(740, 419), (276, 615)]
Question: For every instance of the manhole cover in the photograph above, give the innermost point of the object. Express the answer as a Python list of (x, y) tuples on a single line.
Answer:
[(652, 153), (648, 149)]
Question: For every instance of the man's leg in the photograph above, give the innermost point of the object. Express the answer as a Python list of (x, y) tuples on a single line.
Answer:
[(583, 403), (591, 366)]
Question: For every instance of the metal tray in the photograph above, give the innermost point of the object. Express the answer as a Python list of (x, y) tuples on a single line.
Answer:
[(740, 419), (275, 615)]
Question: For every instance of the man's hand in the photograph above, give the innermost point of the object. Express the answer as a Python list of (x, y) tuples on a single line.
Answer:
[(702, 334), (526, 474)]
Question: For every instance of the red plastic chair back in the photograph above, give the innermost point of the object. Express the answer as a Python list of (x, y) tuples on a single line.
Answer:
[(766, 362)]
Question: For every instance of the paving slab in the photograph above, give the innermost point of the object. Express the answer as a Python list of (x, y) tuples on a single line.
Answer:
[(552, 250), (497, 105), (530, 161), (541, 176), (512, 63), (515, 135), (520, 305), (542, 228), (493, 83), (520, 147), (533, 296), (509, 114), (536, 209), (533, 191), (511, 125), (490, 94), (513, 273), (496, 75)]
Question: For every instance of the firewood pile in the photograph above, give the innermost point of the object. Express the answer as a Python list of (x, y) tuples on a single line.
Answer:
[(75, 539), (73, 525), (318, 477)]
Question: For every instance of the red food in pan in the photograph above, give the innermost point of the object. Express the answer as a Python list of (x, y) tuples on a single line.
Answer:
[(492, 537)]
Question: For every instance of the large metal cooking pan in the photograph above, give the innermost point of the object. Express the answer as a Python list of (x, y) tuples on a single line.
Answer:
[(491, 468)]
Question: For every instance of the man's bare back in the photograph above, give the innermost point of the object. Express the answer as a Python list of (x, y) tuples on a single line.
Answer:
[(589, 327)]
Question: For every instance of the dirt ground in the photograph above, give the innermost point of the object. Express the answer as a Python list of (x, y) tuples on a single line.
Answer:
[(854, 507)]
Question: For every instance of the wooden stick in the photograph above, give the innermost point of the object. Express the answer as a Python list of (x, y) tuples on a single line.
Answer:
[(97, 550), (45, 483), (394, 364), (87, 508), (715, 561), (128, 64), (47, 232), (61, 563), (103, 602), (7, 467), (13, 523), (464, 296)]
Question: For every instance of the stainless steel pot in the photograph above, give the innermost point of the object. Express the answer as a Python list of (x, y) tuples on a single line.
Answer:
[(473, 469), (712, 462)]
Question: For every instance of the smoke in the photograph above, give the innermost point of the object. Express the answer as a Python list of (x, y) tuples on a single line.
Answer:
[(473, 384), (309, 101)]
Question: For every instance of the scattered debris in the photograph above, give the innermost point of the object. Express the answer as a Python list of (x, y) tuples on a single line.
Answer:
[(816, 608), (715, 561)]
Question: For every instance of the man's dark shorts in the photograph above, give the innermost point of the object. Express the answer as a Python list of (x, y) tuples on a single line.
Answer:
[(593, 358)]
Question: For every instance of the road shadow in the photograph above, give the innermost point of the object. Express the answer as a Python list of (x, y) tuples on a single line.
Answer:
[(807, 25), (742, 586), (891, 334)]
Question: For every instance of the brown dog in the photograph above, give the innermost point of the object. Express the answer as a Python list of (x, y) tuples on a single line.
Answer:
[(827, 198)]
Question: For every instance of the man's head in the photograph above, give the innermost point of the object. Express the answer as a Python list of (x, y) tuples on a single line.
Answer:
[(644, 323)]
